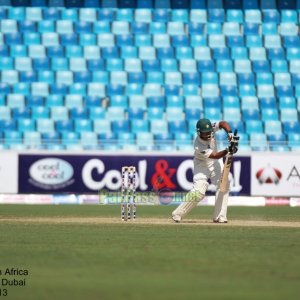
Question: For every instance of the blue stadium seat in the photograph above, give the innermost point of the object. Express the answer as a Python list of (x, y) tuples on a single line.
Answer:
[(79, 113), (151, 65), (258, 141), (50, 138), (260, 66), (291, 127), (269, 29), (216, 15), (183, 138), (46, 77), (139, 126), (136, 77), (96, 113), (221, 53), (106, 14), (224, 65), (40, 112), (92, 101), (276, 54), (246, 78), (163, 138), (146, 40), (254, 126), (251, 29), (161, 15), (213, 114), (114, 89), (195, 28), (44, 125), (102, 126), (59, 113), (212, 102), (206, 66), (292, 54), (193, 113), (157, 28), (250, 114), (264, 78), (120, 126), (54, 100), (191, 78), (8, 125), (289, 115), (277, 139), (293, 139), (284, 91), (247, 90), (231, 102), (5, 113), (69, 138), (234, 15), (287, 102), (239, 125), (129, 52), (13, 138), (139, 28), (158, 126), (155, 113), (272, 127), (289, 16), (29, 76), (291, 42), (107, 138), (21, 113), (88, 140), (83, 125), (254, 41), (279, 66), (51, 13), (96, 65), (232, 114), (64, 125), (26, 124), (123, 40), (174, 113), (83, 27), (269, 114), (6, 63), (235, 42)]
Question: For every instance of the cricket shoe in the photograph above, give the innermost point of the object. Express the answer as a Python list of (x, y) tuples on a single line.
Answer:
[(176, 218), (221, 220)]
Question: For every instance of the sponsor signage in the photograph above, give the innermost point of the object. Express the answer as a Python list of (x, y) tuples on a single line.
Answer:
[(275, 175), (94, 173), (8, 172)]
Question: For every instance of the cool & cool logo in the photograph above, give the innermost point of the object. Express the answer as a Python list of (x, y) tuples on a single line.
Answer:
[(51, 171)]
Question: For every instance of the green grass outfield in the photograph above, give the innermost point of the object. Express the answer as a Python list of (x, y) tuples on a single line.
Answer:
[(85, 252)]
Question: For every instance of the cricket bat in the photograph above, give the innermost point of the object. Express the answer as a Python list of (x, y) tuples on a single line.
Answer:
[(227, 165)]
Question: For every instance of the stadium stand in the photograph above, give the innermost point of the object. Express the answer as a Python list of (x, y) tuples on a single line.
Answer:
[(71, 64)]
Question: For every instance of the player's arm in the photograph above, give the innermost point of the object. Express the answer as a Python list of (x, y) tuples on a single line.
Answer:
[(224, 125), (219, 154)]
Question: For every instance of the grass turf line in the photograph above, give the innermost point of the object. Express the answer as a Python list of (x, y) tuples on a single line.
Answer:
[(113, 261)]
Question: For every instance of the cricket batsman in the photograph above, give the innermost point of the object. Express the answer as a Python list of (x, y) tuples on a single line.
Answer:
[(208, 165)]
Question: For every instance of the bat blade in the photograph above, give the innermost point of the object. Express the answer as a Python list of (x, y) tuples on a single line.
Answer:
[(225, 173), (227, 165)]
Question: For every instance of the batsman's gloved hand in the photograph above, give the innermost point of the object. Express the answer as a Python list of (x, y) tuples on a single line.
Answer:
[(229, 136), (233, 149)]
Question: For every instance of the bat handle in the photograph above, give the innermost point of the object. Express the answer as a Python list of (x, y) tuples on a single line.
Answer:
[(235, 132)]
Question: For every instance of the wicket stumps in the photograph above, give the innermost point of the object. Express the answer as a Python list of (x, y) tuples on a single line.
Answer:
[(128, 204)]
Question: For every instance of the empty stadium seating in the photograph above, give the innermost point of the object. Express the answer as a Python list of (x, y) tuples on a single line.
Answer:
[(85, 72)]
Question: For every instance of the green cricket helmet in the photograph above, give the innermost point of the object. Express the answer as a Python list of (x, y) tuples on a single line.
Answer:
[(204, 125)]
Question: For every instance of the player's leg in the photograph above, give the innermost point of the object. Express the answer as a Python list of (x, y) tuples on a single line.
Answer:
[(191, 200), (221, 202)]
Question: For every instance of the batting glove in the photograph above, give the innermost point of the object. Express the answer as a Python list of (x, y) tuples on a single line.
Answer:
[(229, 136)]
